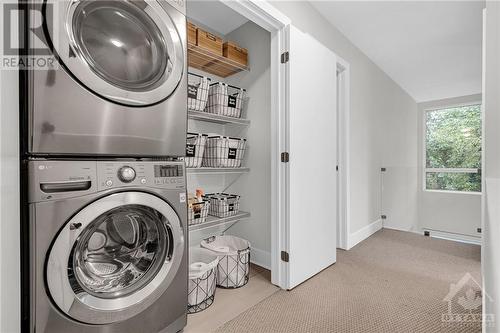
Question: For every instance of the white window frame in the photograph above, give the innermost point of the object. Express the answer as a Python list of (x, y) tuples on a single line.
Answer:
[(446, 170)]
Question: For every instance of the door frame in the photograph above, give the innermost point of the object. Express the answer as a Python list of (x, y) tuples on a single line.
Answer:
[(271, 19), (343, 136)]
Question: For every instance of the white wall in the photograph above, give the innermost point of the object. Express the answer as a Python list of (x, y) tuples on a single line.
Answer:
[(9, 202), (255, 187), (399, 157), (456, 213), (491, 166), (376, 102)]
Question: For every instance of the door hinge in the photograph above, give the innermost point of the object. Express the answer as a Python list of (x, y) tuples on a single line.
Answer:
[(383, 217), (285, 256), (337, 168), (285, 157), (285, 57)]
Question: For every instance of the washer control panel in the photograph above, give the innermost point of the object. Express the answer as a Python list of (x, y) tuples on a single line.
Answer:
[(168, 175), (55, 180)]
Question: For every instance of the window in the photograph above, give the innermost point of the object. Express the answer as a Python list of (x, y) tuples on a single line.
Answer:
[(453, 149)]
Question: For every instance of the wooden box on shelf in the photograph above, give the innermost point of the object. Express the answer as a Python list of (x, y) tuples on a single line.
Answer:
[(209, 42), (234, 52), (192, 34)]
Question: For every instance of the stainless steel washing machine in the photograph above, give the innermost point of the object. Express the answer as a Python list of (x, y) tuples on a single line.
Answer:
[(108, 246), (118, 86)]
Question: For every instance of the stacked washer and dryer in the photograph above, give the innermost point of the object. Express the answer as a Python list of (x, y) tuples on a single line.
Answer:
[(106, 193)]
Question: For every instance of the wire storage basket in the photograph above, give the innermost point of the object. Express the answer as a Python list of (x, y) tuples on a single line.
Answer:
[(234, 260), (225, 100), (195, 148), (198, 87), (223, 205), (202, 279), (198, 212), (224, 152)]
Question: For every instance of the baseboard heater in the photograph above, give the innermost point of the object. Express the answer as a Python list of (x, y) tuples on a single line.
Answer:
[(452, 236)]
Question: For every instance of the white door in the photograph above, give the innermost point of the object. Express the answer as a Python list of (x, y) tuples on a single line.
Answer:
[(312, 188)]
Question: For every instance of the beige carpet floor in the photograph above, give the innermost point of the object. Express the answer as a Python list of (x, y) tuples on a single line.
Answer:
[(392, 282)]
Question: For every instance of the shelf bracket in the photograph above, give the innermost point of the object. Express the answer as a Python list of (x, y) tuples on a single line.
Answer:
[(231, 183), (232, 225)]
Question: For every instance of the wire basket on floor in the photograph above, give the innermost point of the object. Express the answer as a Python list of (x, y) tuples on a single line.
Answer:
[(223, 205), (224, 152), (195, 148), (198, 87), (225, 100), (202, 279), (234, 260), (198, 212)]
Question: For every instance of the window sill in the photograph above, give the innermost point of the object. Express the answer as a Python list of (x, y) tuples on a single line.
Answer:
[(452, 192)]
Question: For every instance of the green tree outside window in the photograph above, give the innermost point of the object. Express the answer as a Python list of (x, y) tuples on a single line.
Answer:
[(453, 143)]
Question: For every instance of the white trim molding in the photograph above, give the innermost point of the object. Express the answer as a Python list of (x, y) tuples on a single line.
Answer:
[(260, 258), (365, 232), (343, 135), (271, 19)]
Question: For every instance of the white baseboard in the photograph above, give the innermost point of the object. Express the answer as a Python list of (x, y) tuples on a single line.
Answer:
[(454, 237), (260, 258), (405, 230), (362, 234)]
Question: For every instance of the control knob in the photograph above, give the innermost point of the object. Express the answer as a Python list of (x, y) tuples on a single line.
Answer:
[(126, 174)]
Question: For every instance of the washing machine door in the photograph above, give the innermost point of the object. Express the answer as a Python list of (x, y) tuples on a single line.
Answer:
[(115, 257), (127, 51)]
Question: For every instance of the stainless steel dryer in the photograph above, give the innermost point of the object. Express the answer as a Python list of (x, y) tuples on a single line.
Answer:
[(108, 246), (119, 84)]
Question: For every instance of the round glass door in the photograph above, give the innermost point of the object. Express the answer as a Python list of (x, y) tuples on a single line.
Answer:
[(127, 51), (115, 257), (120, 251), (121, 44)]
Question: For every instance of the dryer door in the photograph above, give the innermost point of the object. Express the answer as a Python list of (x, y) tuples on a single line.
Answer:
[(127, 51), (115, 257)]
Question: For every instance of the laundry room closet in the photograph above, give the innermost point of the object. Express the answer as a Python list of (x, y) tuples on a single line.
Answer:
[(250, 180)]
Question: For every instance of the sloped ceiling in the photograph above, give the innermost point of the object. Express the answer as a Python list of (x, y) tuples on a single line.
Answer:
[(432, 49)]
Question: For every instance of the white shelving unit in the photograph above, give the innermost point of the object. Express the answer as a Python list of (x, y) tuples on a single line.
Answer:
[(212, 171), (205, 117), (215, 118), (212, 63), (220, 67), (213, 221)]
